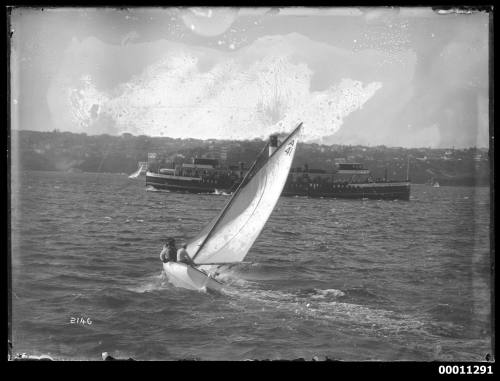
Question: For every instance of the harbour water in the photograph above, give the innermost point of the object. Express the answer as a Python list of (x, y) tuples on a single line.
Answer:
[(349, 279)]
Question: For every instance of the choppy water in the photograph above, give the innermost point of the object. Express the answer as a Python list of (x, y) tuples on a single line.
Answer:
[(349, 279)]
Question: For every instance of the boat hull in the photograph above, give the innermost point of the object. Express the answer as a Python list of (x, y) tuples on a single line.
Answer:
[(376, 191), (185, 276), (186, 184)]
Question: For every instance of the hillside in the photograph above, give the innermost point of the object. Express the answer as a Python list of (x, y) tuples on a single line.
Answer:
[(66, 151)]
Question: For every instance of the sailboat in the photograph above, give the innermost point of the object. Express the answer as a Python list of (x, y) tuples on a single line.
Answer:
[(228, 237), (434, 183), (141, 171)]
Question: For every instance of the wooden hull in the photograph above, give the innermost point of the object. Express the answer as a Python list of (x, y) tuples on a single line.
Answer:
[(182, 275)]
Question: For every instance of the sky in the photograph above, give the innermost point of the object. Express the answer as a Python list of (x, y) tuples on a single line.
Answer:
[(408, 77)]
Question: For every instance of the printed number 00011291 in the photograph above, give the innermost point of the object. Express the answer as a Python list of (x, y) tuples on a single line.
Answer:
[(465, 369)]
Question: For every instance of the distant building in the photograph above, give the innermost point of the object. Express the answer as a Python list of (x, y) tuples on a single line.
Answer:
[(217, 153)]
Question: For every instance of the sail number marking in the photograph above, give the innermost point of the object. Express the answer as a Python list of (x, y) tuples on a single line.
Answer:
[(289, 147)]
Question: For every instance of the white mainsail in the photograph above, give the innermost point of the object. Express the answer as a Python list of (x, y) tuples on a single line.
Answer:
[(229, 237)]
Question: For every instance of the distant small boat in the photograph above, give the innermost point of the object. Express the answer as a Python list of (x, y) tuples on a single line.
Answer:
[(143, 166), (229, 237), (435, 185)]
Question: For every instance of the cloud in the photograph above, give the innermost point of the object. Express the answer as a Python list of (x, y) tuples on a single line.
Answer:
[(342, 96), (407, 67), (202, 93)]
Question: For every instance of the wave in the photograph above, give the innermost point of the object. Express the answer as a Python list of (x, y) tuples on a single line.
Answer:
[(131, 239), (150, 188), (445, 329), (286, 233), (151, 283), (363, 293), (112, 297), (442, 309), (253, 271), (322, 305), (127, 231), (327, 293), (118, 246)]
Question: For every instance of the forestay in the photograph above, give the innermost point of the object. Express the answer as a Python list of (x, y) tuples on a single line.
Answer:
[(229, 237)]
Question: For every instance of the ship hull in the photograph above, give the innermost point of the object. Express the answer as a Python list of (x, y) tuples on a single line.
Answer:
[(184, 184), (375, 191)]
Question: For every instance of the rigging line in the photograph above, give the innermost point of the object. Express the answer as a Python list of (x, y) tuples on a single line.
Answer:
[(243, 182)]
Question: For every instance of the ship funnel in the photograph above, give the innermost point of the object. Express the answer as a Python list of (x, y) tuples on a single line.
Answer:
[(273, 144)]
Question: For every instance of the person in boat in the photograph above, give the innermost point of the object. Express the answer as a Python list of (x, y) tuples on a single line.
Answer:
[(183, 256), (169, 252)]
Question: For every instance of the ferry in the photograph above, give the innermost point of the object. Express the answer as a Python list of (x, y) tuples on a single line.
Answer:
[(200, 176), (205, 175), (347, 180)]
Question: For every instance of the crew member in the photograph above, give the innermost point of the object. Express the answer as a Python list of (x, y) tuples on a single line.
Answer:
[(169, 251), (183, 256)]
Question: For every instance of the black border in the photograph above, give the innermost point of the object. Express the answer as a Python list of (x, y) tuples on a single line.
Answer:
[(296, 367)]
